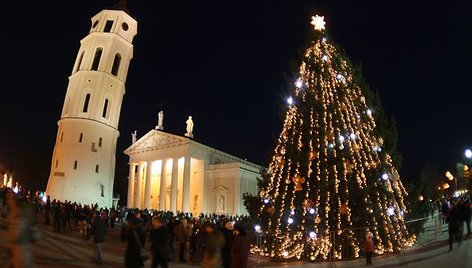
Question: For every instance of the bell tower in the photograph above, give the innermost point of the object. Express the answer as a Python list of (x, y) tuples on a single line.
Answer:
[(83, 161)]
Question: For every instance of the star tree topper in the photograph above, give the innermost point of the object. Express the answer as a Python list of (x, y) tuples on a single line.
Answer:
[(318, 22)]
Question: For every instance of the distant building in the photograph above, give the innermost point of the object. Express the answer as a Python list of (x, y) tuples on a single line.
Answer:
[(176, 173), (83, 161)]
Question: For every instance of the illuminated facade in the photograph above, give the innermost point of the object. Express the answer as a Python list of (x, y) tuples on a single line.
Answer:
[(170, 172), (83, 161)]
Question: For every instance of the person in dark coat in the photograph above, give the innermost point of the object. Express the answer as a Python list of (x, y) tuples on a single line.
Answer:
[(98, 230), (240, 247), (132, 231), (226, 251), (454, 221), (160, 243), (464, 207)]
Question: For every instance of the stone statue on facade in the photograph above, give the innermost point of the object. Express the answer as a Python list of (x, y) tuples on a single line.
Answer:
[(160, 121), (134, 137), (189, 123)]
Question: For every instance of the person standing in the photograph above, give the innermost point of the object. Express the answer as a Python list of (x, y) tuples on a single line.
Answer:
[(133, 233), (181, 236), (98, 231), (454, 222), (47, 210), (226, 251), (20, 232), (57, 215), (213, 244), (160, 243), (240, 247), (369, 247)]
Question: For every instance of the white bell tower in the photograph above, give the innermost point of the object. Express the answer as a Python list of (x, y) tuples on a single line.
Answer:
[(83, 161)]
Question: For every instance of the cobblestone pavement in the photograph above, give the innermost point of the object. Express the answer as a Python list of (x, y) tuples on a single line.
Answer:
[(69, 250)]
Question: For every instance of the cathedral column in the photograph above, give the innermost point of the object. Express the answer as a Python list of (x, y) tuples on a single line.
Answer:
[(147, 189), (132, 168), (139, 185), (174, 184), (162, 193), (186, 186)]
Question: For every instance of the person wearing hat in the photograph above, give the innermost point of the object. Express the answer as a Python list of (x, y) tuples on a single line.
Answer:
[(369, 247)]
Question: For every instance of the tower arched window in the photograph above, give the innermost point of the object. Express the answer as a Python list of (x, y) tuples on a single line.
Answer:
[(116, 64), (105, 109), (80, 61), (86, 103), (96, 59)]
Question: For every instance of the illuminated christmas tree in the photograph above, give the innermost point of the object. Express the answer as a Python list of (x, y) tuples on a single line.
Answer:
[(329, 181)]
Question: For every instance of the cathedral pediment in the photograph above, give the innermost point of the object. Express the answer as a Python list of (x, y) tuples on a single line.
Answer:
[(155, 140)]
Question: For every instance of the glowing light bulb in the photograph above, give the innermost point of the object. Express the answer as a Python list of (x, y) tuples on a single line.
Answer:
[(266, 201), (292, 212), (340, 77), (325, 58), (341, 138), (353, 136), (285, 254), (385, 176), (369, 112), (299, 83), (390, 211), (290, 220), (312, 235), (312, 211), (290, 101)]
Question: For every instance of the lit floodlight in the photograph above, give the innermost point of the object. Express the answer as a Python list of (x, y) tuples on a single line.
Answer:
[(257, 228), (45, 199)]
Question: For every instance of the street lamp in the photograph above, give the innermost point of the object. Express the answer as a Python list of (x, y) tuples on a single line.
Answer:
[(468, 153), (452, 178)]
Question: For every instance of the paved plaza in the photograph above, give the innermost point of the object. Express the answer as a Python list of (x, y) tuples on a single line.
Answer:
[(69, 250)]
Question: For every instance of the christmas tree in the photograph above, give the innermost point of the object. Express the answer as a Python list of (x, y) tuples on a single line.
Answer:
[(329, 181)]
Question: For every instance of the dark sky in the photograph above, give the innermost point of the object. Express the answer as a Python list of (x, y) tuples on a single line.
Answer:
[(226, 65)]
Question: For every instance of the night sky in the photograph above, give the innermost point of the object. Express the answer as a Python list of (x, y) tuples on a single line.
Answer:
[(227, 65)]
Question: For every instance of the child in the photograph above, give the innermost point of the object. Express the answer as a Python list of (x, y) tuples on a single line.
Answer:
[(369, 247)]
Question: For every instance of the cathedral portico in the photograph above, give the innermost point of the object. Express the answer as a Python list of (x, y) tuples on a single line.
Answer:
[(178, 174)]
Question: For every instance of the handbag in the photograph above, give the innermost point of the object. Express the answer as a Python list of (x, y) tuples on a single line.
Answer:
[(143, 253)]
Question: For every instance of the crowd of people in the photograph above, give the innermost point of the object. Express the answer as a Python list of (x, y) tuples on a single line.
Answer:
[(456, 212), (210, 240)]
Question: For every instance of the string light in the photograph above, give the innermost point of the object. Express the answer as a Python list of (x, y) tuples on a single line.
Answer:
[(326, 157)]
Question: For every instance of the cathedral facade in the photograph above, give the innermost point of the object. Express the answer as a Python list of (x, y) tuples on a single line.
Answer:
[(176, 173)]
